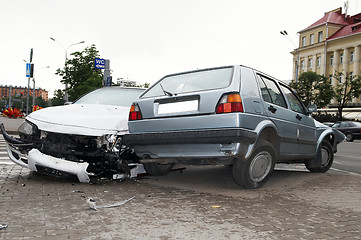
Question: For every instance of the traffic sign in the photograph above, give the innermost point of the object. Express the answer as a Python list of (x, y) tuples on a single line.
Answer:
[(28, 68), (99, 63)]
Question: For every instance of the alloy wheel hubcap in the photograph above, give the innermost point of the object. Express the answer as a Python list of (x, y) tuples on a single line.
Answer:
[(325, 156), (260, 166)]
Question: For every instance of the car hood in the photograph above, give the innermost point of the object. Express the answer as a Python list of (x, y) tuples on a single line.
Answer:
[(82, 119)]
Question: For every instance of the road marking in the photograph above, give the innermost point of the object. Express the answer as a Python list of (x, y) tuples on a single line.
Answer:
[(345, 171), (347, 156), (6, 163)]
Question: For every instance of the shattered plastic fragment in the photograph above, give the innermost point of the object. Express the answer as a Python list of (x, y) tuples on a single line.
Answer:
[(3, 225), (92, 204), (216, 206)]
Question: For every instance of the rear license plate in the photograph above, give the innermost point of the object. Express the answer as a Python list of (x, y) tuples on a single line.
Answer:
[(178, 107)]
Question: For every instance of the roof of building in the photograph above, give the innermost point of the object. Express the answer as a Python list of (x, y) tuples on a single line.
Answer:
[(347, 31), (349, 25)]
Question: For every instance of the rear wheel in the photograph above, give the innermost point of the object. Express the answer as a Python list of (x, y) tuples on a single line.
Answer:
[(156, 169), (256, 170), (349, 137), (326, 155)]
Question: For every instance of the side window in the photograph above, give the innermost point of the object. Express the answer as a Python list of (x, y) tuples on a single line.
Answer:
[(344, 124), (295, 104), (270, 92)]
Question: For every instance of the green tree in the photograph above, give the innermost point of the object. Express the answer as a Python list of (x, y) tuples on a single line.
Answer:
[(313, 89), (79, 73), (58, 98), (345, 91), (41, 102)]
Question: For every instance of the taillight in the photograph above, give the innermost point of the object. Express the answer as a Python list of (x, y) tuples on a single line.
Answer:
[(134, 113), (230, 103)]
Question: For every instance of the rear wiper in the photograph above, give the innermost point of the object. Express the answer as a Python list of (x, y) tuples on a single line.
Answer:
[(165, 92)]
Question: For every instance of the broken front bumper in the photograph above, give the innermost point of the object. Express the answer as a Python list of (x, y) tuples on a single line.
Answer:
[(27, 155), (42, 163)]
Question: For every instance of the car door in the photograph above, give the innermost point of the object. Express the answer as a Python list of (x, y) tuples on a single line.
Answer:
[(306, 129), (280, 115)]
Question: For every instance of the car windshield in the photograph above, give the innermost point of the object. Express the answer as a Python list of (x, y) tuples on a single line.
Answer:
[(111, 96), (191, 82)]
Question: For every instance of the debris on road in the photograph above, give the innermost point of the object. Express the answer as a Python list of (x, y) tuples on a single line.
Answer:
[(3, 225), (92, 203)]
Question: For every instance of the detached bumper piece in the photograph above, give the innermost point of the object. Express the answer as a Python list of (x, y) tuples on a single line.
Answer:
[(222, 136), (52, 166)]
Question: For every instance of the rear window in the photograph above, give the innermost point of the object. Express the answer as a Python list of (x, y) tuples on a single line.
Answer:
[(191, 82)]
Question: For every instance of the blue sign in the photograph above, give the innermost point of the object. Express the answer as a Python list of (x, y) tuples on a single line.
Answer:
[(28, 68), (99, 63)]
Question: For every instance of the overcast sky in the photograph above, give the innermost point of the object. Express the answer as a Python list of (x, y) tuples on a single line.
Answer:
[(147, 39)]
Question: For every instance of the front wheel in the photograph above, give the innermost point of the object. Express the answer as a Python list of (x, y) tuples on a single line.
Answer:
[(326, 155), (253, 172), (156, 169), (349, 137)]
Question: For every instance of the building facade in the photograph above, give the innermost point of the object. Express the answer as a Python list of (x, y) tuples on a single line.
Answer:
[(331, 44), (22, 91)]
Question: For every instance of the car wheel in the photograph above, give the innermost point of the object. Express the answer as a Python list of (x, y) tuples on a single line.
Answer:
[(253, 172), (326, 155), (156, 169), (349, 137)]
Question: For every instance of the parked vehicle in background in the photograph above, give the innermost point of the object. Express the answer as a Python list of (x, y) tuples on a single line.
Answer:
[(231, 115), (328, 123), (352, 130), (79, 140)]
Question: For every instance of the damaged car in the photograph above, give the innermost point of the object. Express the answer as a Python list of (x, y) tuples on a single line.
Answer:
[(232, 115), (79, 140)]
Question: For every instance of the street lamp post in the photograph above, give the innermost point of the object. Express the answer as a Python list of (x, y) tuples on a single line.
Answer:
[(34, 84), (66, 58), (284, 33)]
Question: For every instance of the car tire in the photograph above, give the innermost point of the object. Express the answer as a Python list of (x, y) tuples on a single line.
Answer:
[(326, 154), (349, 137), (253, 172), (156, 169)]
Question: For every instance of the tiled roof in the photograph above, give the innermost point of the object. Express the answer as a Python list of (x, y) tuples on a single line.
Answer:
[(347, 31), (331, 18), (349, 26)]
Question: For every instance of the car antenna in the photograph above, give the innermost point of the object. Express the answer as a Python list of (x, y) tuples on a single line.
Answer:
[(165, 92)]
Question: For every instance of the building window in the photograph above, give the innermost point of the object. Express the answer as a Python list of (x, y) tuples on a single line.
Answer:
[(320, 36), (310, 63), (302, 65), (351, 56), (340, 79), (331, 60), (303, 41), (341, 58), (331, 79), (318, 62), (312, 38), (351, 75)]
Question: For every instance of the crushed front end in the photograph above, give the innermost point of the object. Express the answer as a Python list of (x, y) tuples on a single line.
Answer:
[(77, 157)]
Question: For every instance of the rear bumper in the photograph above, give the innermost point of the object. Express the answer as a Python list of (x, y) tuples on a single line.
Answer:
[(206, 136)]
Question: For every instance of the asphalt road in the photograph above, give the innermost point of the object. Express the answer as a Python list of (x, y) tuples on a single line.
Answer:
[(348, 157)]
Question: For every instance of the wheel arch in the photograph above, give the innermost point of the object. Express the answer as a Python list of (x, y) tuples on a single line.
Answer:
[(267, 131)]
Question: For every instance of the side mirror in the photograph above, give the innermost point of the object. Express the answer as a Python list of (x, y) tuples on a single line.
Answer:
[(312, 108)]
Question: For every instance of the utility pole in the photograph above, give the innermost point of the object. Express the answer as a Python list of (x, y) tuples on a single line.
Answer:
[(31, 75)]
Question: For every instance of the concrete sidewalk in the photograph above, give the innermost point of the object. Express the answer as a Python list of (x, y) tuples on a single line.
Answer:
[(11, 124)]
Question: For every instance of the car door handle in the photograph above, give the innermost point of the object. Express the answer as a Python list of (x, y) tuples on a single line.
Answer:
[(272, 109), (298, 117)]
